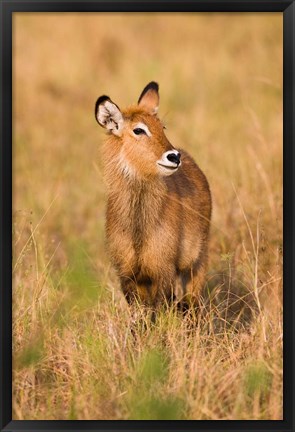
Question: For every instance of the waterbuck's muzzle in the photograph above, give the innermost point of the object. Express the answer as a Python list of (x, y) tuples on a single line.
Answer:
[(169, 162)]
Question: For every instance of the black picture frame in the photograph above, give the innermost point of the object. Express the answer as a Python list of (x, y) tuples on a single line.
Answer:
[(8, 7)]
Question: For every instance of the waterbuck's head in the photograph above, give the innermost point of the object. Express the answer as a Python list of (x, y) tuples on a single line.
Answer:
[(142, 146)]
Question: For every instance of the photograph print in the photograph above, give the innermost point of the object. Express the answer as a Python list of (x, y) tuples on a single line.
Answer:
[(147, 216)]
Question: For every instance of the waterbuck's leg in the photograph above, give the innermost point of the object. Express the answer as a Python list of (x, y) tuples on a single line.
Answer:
[(193, 280), (141, 290), (163, 291), (129, 290), (149, 292)]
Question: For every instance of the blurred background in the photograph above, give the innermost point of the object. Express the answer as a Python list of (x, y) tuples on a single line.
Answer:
[(220, 78)]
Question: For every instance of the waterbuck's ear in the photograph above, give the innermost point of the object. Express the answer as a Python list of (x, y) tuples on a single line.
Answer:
[(149, 98), (108, 115)]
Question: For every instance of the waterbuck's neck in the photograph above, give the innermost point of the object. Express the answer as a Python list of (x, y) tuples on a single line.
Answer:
[(135, 202), (134, 191)]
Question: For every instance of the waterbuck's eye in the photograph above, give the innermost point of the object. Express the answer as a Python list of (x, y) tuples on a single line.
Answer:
[(139, 131)]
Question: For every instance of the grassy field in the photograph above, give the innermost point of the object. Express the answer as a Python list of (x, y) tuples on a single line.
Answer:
[(76, 353)]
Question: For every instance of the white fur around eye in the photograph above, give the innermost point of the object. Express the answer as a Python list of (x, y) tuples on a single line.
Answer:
[(144, 127)]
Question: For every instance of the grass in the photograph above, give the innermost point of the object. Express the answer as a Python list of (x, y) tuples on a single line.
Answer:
[(77, 352)]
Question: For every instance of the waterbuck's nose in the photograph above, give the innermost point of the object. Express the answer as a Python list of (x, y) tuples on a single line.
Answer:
[(174, 157)]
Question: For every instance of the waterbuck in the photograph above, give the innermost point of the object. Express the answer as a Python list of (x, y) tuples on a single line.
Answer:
[(158, 204)]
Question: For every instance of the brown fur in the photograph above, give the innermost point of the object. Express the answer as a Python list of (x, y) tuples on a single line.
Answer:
[(157, 226)]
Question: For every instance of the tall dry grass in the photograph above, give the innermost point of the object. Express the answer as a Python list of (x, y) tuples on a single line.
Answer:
[(77, 354)]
